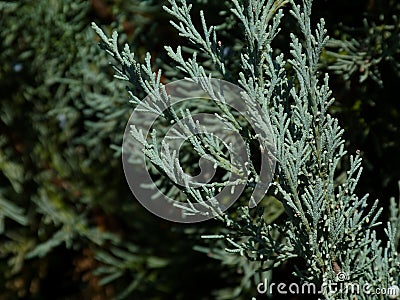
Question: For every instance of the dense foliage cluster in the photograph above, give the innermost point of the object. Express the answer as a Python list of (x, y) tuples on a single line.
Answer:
[(70, 227)]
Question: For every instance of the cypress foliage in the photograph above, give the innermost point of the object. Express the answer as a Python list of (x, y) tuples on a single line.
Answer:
[(69, 226)]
